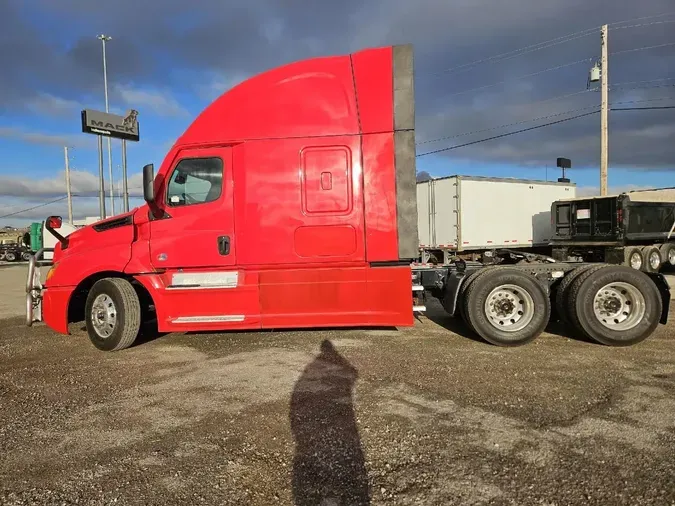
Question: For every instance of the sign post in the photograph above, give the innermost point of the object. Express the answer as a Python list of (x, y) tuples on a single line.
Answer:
[(104, 124)]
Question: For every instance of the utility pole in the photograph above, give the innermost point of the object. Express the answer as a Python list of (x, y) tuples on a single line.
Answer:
[(104, 38), (604, 108), (69, 195)]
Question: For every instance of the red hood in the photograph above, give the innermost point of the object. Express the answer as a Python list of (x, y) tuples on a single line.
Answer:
[(115, 231)]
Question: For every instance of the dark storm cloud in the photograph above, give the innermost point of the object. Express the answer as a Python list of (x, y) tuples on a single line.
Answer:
[(177, 43)]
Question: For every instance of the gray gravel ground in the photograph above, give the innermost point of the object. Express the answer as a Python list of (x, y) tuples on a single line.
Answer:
[(424, 415)]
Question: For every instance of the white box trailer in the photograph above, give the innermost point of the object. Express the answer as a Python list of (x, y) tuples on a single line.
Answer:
[(471, 213)]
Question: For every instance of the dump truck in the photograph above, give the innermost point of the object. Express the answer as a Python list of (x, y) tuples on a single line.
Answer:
[(635, 228), (290, 202)]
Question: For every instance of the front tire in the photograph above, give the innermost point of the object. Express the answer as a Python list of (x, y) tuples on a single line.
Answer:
[(112, 314), (507, 307), (616, 306)]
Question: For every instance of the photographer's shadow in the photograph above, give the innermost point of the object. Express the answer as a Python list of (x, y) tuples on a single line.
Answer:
[(329, 464)]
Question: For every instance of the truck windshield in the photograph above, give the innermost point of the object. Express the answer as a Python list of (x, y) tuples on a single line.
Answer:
[(195, 181)]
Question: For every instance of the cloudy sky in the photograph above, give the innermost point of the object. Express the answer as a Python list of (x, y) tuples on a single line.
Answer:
[(168, 59)]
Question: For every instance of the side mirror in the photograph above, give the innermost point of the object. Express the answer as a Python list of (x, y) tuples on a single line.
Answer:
[(149, 183), (54, 222)]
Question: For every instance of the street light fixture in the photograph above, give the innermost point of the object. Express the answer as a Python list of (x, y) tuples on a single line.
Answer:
[(105, 38)]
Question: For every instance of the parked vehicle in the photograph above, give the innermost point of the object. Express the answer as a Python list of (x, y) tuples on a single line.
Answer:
[(291, 202), (467, 216), (14, 250), (634, 229)]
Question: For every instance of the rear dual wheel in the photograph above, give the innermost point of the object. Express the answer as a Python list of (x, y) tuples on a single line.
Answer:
[(614, 305), (668, 253), (506, 306)]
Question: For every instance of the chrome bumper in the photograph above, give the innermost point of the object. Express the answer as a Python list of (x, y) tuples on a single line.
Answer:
[(34, 288)]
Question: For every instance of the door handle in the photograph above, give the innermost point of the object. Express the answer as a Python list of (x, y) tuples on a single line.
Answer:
[(224, 245)]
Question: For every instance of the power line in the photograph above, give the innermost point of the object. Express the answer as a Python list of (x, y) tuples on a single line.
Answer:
[(34, 207), (521, 77), (553, 42), (641, 82), (648, 87), (642, 48), (643, 18), (519, 52), (507, 125), (642, 100), (507, 134), (643, 108), (644, 24)]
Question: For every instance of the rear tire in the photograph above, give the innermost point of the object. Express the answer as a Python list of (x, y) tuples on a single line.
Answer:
[(112, 314), (616, 306), (562, 292), (651, 259), (507, 307), (668, 254), (633, 258), (462, 304), (10, 256)]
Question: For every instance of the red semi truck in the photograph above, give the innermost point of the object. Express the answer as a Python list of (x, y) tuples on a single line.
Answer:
[(290, 202)]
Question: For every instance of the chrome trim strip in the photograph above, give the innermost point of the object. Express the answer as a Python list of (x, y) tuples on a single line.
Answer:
[(209, 319), (210, 279)]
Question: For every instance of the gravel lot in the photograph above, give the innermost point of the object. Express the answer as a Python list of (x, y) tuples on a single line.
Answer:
[(424, 415)]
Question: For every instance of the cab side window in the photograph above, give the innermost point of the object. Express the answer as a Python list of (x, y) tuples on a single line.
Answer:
[(195, 181)]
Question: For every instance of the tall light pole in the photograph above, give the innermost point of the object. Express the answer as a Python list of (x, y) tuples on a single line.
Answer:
[(105, 38)]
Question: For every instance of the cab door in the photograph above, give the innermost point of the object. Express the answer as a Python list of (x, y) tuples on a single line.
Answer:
[(197, 229)]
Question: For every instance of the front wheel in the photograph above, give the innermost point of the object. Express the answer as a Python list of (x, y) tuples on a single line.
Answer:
[(25, 256), (616, 306), (113, 314), (507, 307)]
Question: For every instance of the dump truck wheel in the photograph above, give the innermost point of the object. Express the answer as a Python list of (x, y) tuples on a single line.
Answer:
[(507, 307), (10, 256), (633, 258), (668, 253), (615, 305), (562, 292), (112, 314), (25, 256), (651, 259)]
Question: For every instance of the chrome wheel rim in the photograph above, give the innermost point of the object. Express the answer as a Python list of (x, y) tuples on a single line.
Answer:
[(619, 306), (671, 256), (509, 308), (103, 315), (655, 260), (636, 261)]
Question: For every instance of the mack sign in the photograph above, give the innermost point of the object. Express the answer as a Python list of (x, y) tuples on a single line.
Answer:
[(111, 125)]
